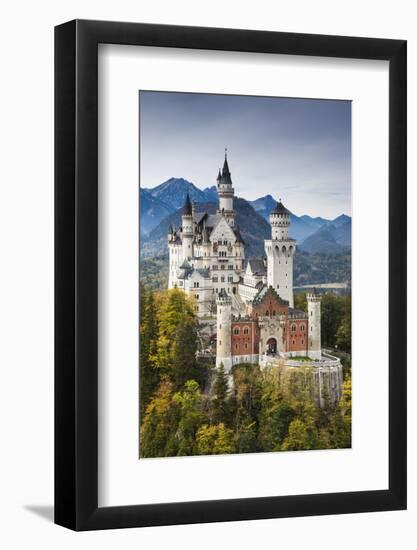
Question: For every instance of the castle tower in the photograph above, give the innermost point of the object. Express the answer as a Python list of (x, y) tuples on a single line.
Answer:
[(280, 251), (314, 325), (187, 230), (224, 331), (226, 193), (175, 256), (205, 243)]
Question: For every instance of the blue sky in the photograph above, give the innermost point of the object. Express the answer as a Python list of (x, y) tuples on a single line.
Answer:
[(298, 150)]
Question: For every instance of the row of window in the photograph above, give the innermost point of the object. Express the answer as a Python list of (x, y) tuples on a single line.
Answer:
[(222, 279), (273, 313), (236, 330), (294, 327), (237, 346), (230, 267), (294, 342)]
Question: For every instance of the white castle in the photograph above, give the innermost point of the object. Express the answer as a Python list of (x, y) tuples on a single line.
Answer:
[(252, 300)]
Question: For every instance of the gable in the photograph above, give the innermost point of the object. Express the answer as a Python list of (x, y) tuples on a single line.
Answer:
[(222, 231), (270, 303)]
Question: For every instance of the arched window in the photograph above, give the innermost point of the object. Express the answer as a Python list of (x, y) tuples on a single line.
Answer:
[(246, 330), (273, 313), (246, 346), (267, 312), (302, 327), (293, 327), (236, 330)]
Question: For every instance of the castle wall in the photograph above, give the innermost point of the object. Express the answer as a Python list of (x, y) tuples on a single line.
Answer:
[(280, 256), (296, 335), (203, 298), (224, 332), (245, 337), (327, 375), (241, 359), (247, 292), (314, 326), (175, 260)]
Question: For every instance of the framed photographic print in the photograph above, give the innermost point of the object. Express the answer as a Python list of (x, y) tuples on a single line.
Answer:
[(230, 275)]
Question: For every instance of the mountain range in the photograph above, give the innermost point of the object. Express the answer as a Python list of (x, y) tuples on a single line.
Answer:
[(166, 198), (161, 206), (253, 228), (152, 210)]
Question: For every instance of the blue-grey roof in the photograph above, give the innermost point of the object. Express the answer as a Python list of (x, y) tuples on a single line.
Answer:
[(257, 266), (187, 208), (297, 313)]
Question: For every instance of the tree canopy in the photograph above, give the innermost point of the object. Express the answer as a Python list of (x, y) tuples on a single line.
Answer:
[(188, 408)]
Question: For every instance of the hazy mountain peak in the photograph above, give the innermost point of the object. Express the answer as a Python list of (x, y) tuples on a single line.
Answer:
[(172, 192), (340, 220)]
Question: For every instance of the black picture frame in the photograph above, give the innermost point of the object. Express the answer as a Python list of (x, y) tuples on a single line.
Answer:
[(76, 272)]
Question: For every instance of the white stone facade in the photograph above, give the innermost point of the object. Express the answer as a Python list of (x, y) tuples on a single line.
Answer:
[(212, 244), (280, 251), (207, 261), (224, 331), (314, 326)]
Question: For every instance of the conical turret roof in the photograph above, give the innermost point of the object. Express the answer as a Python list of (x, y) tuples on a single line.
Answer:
[(226, 175), (187, 208), (280, 209)]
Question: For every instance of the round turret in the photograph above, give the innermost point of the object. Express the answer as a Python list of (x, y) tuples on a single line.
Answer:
[(224, 330), (279, 218), (280, 251), (314, 325)]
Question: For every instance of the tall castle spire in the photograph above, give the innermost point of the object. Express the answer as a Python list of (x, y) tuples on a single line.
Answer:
[(187, 235), (187, 208), (226, 192), (226, 175)]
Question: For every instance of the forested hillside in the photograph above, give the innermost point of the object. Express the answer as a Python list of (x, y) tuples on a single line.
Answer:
[(266, 411)]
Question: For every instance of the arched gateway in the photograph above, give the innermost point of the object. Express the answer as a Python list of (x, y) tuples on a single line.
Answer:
[(271, 346)]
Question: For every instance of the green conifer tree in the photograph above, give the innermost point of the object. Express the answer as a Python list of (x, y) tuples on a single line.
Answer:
[(220, 402), (148, 333)]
